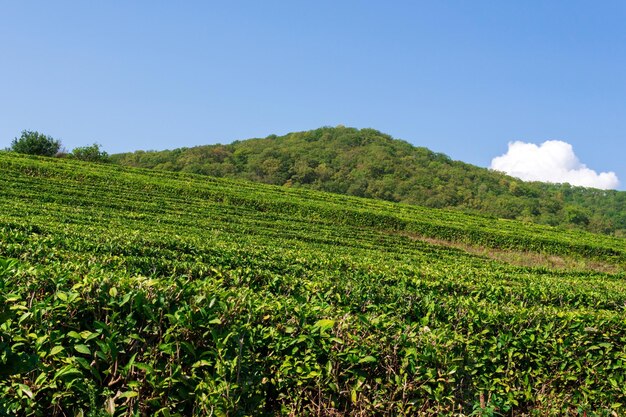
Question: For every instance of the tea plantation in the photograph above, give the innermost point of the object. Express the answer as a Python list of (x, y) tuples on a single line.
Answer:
[(136, 292)]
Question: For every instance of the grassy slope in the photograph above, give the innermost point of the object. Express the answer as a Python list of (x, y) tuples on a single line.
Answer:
[(133, 290)]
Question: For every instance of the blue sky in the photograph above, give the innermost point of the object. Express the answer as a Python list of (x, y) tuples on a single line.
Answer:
[(464, 78)]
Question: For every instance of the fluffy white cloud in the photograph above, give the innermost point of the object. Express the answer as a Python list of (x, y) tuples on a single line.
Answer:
[(552, 161)]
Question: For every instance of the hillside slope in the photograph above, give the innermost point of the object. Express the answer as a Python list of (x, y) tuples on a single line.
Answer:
[(138, 292), (368, 163)]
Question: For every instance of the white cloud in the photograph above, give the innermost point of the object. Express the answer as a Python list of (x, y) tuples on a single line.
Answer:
[(552, 161)]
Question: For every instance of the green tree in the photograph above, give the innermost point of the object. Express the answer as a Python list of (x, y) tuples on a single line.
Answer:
[(91, 153), (35, 143), (576, 215)]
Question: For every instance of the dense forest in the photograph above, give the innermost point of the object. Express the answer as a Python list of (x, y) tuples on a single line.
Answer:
[(368, 163)]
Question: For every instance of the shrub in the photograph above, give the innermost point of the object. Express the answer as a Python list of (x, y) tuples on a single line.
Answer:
[(91, 153)]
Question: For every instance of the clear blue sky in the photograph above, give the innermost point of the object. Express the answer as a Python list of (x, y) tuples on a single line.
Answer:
[(463, 78)]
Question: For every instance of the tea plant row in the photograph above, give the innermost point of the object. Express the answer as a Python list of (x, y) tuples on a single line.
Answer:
[(132, 292)]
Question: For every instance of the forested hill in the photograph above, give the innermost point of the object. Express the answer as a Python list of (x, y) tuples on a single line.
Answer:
[(368, 163)]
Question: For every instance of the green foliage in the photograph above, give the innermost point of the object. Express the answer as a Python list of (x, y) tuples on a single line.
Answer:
[(91, 153), (576, 215), (35, 143), (130, 292), (367, 163)]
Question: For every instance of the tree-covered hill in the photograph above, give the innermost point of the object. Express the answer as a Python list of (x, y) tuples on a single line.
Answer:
[(368, 163)]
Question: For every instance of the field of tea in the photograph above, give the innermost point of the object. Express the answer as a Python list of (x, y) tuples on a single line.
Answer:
[(136, 292)]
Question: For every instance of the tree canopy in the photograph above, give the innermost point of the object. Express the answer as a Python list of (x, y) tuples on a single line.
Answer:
[(35, 143)]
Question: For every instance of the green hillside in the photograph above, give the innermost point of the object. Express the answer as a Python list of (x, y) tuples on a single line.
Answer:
[(367, 163), (135, 292)]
